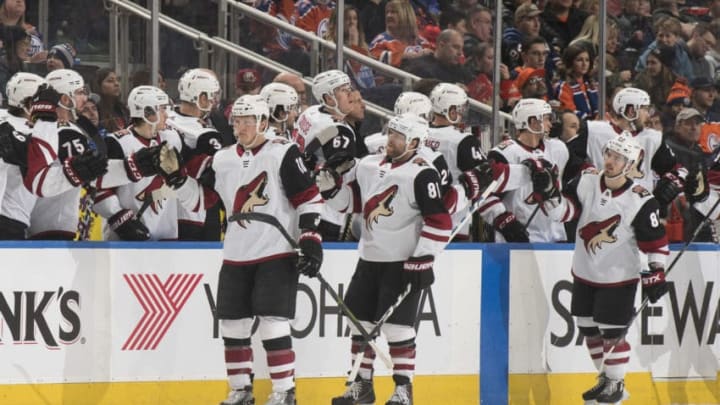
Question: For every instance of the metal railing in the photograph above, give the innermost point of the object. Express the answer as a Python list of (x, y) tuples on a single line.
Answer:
[(316, 42), (119, 55)]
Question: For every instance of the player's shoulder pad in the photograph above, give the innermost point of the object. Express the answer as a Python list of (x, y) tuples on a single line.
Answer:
[(420, 161), (504, 144), (121, 133), (279, 140)]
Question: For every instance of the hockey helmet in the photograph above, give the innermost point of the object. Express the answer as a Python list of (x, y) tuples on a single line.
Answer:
[(411, 126), (626, 146), (530, 108), (65, 81), (144, 101), (196, 82), (327, 82), (413, 102), (630, 97), (444, 97), (279, 95), (22, 86)]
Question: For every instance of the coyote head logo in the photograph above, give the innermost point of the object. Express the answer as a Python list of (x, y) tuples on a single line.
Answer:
[(379, 206), (251, 195), (596, 233)]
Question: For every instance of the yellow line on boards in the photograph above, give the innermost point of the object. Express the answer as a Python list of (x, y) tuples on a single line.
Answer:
[(566, 389), (428, 390)]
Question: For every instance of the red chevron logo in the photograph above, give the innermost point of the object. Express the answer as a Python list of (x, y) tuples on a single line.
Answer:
[(161, 303)]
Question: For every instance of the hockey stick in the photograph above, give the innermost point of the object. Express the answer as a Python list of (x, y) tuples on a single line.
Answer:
[(271, 220), (376, 329), (646, 300), (532, 215)]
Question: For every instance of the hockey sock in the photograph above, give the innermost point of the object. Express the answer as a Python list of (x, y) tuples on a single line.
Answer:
[(403, 358), (238, 361), (281, 362), (595, 347), (616, 360), (366, 367)]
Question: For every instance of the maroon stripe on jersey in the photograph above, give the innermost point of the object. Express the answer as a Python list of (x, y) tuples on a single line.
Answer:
[(191, 222), (597, 356), (440, 221), (485, 207), (304, 196), (437, 238), (210, 198), (43, 174), (594, 284), (654, 246), (103, 195), (238, 354), (259, 260), (46, 146), (450, 200), (501, 169), (571, 210), (196, 164)]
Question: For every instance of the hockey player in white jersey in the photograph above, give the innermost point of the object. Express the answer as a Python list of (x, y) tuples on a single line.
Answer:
[(618, 220), (405, 226), (407, 102), (630, 111), (510, 211), (199, 91), (323, 133), (284, 105), (16, 202), (146, 209), (259, 274), (66, 154)]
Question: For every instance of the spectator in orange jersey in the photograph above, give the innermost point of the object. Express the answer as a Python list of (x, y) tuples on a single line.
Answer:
[(577, 92), (400, 39)]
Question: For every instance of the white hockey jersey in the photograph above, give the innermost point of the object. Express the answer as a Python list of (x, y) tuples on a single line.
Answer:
[(270, 179), (17, 202), (519, 201), (161, 214), (614, 228), (402, 208), (314, 120), (199, 138), (648, 168)]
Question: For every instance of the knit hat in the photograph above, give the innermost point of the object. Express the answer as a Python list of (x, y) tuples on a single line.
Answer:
[(665, 54), (65, 53), (247, 79), (526, 74), (679, 94)]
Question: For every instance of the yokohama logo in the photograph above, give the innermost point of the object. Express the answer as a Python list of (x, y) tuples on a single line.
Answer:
[(161, 304)]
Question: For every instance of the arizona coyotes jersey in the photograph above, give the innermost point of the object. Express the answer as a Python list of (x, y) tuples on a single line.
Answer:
[(199, 138), (312, 122), (402, 208), (657, 158), (614, 227), (17, 201), (160, 212), (519, 201), (271, 179)]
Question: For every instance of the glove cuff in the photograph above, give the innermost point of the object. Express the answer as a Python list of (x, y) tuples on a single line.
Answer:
[(119, 219), (653, 277), (132, 170), (311, 235), (502, 220), (70, 172), (422, 263), (43, 109)]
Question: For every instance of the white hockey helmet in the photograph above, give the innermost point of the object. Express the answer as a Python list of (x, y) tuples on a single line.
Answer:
[(630, 96), (413, 102), (280, 95), (22, 86), (528, 108), (327, 82), (65, 81), (445, 96), (144, 101), (625, 145), (196, 82), (411, 126)]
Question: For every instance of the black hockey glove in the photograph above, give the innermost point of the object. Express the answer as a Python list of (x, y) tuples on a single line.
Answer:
[(696, 187), (328, 182), (341, 162), (7, 146), (418, 272), (127, 227), (510, 228), (169, 165), (44, 103), (311, 254), (143, 163), (653, 284), (667, 188), (544, 177), (476, 180), (84, 168)]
